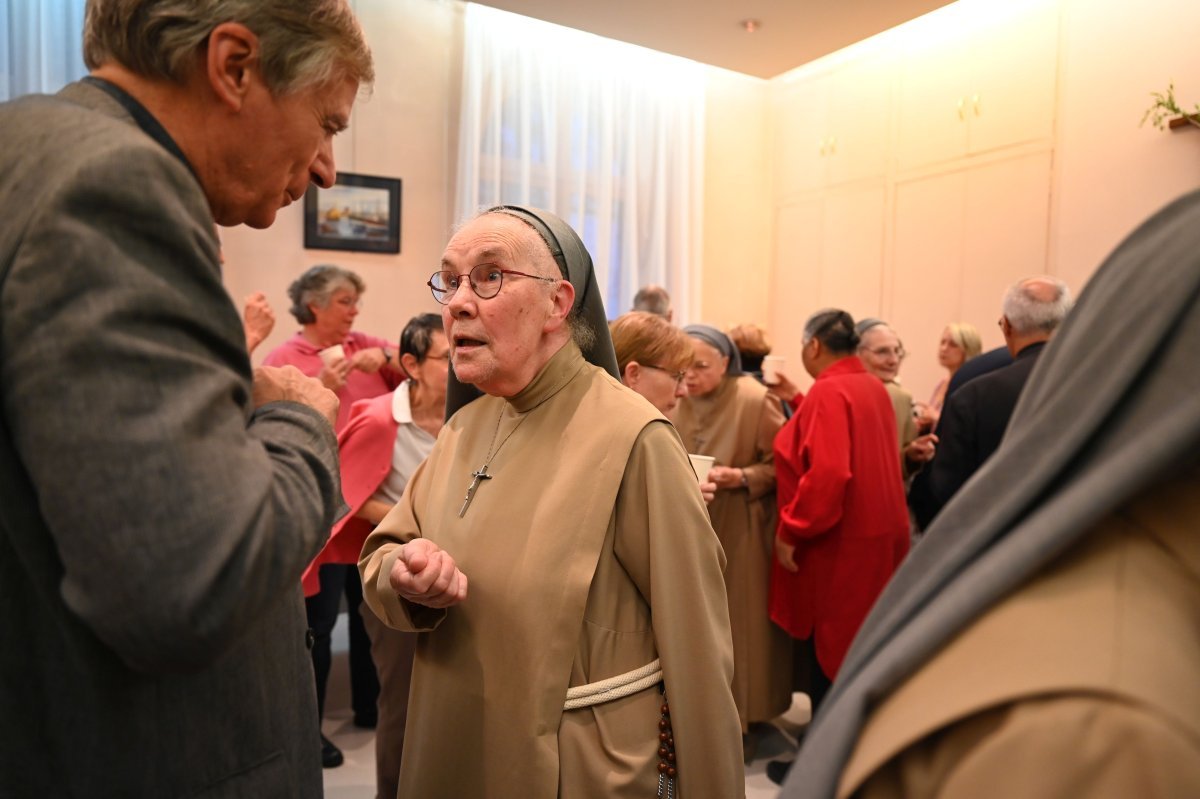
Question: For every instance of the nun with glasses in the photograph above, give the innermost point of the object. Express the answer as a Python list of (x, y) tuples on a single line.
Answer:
[(553, 552), (731, 417)]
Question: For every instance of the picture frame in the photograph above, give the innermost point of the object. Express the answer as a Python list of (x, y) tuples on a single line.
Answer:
[(359, 213)]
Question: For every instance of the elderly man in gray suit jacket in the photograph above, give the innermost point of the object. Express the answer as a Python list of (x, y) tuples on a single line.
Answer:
[(158, 500)]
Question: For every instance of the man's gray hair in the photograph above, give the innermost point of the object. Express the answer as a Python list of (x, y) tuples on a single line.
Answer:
[(652, 299), (304, 43), (316, 287), (1037, 305)]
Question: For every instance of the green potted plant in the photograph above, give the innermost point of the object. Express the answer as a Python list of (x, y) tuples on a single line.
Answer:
[(1166, 112)]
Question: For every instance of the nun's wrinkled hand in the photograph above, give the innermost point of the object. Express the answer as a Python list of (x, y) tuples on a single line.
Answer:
[(425, 574), (709, 492), (726, 476)]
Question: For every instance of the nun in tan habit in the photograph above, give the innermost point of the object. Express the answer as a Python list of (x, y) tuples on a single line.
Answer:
[(553, 553), (731, 417)]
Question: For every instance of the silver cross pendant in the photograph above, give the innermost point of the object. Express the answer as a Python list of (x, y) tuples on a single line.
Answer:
[(479, 476)]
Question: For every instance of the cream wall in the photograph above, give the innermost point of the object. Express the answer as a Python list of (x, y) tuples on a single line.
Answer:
[(1064, 173), (737, 212), (1111, 174), (404, 129), (1106, 173)]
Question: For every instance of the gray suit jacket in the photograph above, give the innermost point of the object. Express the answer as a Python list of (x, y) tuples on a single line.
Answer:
[(153, 526)]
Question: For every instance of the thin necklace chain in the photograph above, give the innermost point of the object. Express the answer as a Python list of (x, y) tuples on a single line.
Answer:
[(490, 454), (481, 473)]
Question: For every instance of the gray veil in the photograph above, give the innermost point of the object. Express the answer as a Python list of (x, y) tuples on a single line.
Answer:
[(721, 343), (1110, 408), (576, 265)]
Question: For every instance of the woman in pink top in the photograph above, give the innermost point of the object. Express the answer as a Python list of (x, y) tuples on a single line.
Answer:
[(325, 301)]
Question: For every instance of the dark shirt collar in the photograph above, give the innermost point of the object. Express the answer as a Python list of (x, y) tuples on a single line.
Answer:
[(144, 119), (1030, 350)]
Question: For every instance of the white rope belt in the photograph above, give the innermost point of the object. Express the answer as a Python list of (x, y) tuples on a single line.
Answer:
[(595, 693)]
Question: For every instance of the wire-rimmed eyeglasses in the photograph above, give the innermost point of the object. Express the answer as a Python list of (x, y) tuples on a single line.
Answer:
[(674, 375), (884, 352), (485, 280)]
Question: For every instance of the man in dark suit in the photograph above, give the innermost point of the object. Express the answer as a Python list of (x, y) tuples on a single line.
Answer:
[(158, 500), (976, 415), (981, 364)]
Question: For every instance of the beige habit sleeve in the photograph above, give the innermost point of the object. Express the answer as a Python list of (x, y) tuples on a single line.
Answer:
[(380, 552), (667, 546)]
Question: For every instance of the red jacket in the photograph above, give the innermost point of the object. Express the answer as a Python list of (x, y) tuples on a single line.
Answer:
[(841, 503)]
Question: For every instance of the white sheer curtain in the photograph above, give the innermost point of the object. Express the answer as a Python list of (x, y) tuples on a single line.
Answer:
[(40, 46), (607, 135)]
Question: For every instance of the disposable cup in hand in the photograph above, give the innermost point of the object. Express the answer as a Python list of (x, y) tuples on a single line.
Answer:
[(701, 464), (772, 365), (331, 354)]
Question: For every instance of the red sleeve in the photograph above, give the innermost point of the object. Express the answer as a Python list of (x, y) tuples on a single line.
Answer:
[(824, 458), (364, 447)]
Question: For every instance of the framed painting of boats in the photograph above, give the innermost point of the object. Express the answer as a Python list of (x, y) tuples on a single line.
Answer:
[(358, 212)]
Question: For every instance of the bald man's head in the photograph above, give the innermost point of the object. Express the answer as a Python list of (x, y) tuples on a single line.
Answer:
[(1037, 305)]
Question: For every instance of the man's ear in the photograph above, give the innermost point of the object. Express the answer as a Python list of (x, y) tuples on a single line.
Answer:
[(231, 61)]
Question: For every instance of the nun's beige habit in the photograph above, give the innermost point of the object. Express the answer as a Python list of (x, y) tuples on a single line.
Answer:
[(589, 555)]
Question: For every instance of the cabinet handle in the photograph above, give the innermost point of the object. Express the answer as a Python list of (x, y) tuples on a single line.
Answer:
[(975, 103), (961, 103)]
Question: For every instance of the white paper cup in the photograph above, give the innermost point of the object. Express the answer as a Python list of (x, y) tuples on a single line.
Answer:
[(331, 354), (772, 365), (700, 465)]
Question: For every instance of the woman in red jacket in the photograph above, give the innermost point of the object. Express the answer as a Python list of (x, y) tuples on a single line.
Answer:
[(843, 525)]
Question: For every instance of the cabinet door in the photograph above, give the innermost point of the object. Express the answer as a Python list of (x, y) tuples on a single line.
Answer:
[(799, 143), (931, 110), (860, 104), (795, 280), (927, 272), (852, 251), (1005, 235), (1015, 78)]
